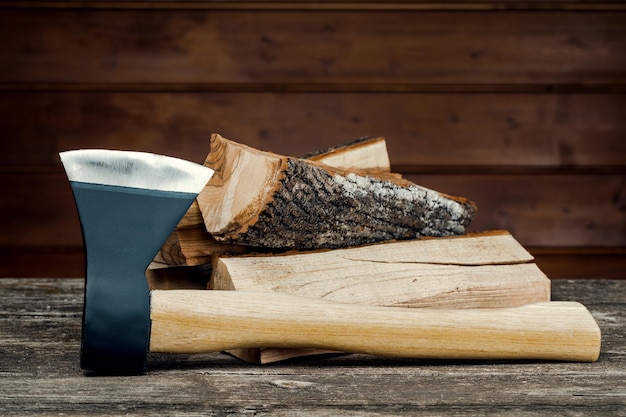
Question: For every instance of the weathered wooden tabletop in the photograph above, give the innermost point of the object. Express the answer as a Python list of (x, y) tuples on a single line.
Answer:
[(39, 372)]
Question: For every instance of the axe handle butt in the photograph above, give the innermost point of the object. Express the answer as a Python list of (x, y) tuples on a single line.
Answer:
[(192, 321)]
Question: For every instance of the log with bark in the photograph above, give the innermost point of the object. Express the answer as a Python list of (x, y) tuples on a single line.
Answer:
[(197, 245), (265, 200), (184, 258), (484, 270), (191, 246)]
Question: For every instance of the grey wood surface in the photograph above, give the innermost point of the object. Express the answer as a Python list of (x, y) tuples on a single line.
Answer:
[(39, 373)]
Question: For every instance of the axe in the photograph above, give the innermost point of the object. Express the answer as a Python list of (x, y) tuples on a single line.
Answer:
[(129, 203)]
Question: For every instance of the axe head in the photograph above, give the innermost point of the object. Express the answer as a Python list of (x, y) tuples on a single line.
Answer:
[(128, 204)]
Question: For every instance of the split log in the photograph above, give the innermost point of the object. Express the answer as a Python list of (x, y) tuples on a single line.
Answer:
[(265, 200), (367, 154), (482, 270), (473, 271), (190, 245), (197, 246)]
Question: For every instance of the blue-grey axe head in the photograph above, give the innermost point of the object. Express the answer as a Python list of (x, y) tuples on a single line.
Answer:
[(128, 204)]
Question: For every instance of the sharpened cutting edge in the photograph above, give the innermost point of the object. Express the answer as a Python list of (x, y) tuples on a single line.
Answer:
[(129, 169)]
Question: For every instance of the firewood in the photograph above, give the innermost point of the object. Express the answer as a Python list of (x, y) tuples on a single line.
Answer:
[(482, 270), (191, 245), (261, 199), (367, 154)]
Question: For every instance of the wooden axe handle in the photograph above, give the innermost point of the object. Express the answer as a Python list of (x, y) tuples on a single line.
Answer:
[(192, 321)]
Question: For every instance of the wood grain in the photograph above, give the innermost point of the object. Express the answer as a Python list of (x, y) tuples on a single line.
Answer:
[(49, 260), (434, 131), (239, 46), (482, 270), (41, 210), (40, 327), (191, 321), (495, 101), (477, 271), (581, 262)]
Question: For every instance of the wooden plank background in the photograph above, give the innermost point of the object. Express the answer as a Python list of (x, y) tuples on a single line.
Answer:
[(518, 106)]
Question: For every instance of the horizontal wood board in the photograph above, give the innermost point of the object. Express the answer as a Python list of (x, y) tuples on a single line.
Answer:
[(329, 46), (519, 106), (40, 323), (435, 130)]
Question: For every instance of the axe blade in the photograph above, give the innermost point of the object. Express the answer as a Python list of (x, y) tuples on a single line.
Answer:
[(128, 204)]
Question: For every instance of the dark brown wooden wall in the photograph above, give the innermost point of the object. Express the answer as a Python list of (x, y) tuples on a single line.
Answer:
[(519, 106)]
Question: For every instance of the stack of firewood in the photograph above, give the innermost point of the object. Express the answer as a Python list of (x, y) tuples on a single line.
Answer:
[(339, 225)]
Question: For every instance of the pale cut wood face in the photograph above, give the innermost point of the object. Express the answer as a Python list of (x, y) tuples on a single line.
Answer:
[(485, 270), (368, 155), (244, 178)]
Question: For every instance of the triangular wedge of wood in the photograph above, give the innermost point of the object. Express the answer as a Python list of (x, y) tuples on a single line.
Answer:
[(342, 196), (265, 200), (190, 244)]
